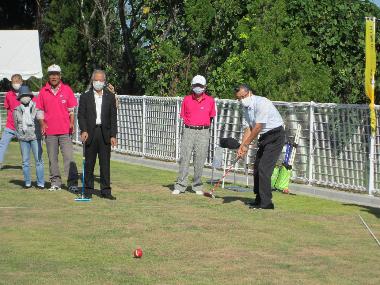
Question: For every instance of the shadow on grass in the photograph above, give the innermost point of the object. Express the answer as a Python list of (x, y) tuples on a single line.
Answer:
[(92, 192), (17, 182), (169, 186), (371, 210), (5, 167), (231, 199)]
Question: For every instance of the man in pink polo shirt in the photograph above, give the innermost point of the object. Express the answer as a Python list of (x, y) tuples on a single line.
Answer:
[(197, 112), (56, 103), (10, 103)]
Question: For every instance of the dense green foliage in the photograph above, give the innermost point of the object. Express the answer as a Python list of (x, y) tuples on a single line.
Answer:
[(296, 50)]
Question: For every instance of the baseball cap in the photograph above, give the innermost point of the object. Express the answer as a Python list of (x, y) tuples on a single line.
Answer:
[(198, 79), (54, 68)]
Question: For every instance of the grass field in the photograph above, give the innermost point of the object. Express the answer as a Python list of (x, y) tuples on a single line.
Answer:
[(47, 238)]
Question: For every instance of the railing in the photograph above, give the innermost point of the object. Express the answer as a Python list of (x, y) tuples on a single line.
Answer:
[(333, 149)]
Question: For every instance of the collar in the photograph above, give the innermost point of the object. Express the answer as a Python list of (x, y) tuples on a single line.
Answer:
[(203, 97), (96, 93), (49, 87), (13, 92)]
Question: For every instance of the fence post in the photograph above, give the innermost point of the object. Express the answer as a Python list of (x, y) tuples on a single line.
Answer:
[(143, 124), (177, 129), (311, 146), (371, 182), (215, 126), (76, 127)]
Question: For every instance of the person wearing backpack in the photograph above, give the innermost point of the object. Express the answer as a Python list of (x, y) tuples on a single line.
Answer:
[(29, 136)]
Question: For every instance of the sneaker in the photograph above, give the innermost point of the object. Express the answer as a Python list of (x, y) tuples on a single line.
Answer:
[(176, 192), (39, 187), (74, 189), (199, 192), (55, 188), (27, 186)]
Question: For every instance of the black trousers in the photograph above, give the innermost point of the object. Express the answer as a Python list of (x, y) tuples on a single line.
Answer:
[(98, 148), (270, 147)]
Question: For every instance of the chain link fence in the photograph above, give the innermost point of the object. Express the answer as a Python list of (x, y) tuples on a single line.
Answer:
[(333, 149)]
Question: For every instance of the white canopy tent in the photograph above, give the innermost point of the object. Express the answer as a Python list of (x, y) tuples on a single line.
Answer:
[(20, 53)]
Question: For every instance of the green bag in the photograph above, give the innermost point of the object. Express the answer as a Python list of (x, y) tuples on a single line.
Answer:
[(275, 176), (283, 179)]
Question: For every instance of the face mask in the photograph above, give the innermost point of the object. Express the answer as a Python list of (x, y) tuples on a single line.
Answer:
[(25, 100), (198, 90), (98, 85), (246, 101), (16, 86)]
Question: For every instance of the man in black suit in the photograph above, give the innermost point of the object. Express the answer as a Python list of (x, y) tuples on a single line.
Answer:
[(97, 116)]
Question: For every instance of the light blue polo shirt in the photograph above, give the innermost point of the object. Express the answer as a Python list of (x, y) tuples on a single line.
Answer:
[(261, 110)]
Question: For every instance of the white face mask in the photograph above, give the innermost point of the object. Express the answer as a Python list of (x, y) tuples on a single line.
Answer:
[(16, 86), (246, 101), (198, 90), (25, 100), (98, 85)]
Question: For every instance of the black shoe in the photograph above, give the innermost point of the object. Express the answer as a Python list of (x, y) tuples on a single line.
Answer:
[(253, 204), (108, 196), (268, 207)]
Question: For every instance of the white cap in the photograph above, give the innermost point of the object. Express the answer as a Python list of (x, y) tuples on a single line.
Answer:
[(54, 68), (198, 79)]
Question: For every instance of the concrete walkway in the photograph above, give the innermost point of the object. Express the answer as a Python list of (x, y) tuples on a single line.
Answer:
[(302, 189)]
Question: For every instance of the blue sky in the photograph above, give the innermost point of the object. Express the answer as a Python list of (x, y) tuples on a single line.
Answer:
[(377, 2)]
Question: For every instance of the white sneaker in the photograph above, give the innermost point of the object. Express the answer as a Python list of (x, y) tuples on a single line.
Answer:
[(176, 192), (74, 189), (199, 192), (54, 188)]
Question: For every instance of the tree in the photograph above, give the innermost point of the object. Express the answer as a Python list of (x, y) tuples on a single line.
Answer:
[(336, 29), (185, 38), (274, 59), (83, 36)]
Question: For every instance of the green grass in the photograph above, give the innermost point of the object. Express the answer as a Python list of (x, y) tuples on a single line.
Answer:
[(186, 239)]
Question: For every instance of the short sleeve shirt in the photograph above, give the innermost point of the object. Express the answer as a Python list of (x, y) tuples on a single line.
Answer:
[(198, 113), (261, 110), (10, 103), (56, 108)]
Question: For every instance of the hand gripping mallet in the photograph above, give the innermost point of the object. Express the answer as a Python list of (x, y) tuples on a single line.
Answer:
[(211, 193)]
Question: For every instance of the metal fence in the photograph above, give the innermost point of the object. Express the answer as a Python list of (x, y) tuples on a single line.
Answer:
[(333, 149)]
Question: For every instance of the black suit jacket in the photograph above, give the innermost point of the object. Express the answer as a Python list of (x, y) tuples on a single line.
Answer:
[(87, 115)]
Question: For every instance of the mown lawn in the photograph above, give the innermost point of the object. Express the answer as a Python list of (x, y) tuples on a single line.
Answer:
[(47, 238)]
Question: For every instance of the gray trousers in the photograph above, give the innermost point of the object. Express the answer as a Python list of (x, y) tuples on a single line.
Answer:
[(196, 141), (53, 143)]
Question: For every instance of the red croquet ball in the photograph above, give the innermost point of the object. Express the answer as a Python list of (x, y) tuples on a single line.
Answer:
[(285, 191), (138, 253)]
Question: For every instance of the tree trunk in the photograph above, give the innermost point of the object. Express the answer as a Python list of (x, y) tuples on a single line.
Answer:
[(129, 61)]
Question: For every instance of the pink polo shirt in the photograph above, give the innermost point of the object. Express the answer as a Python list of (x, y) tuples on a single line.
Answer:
[(10, 103), (55, 107), (196, 113)]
